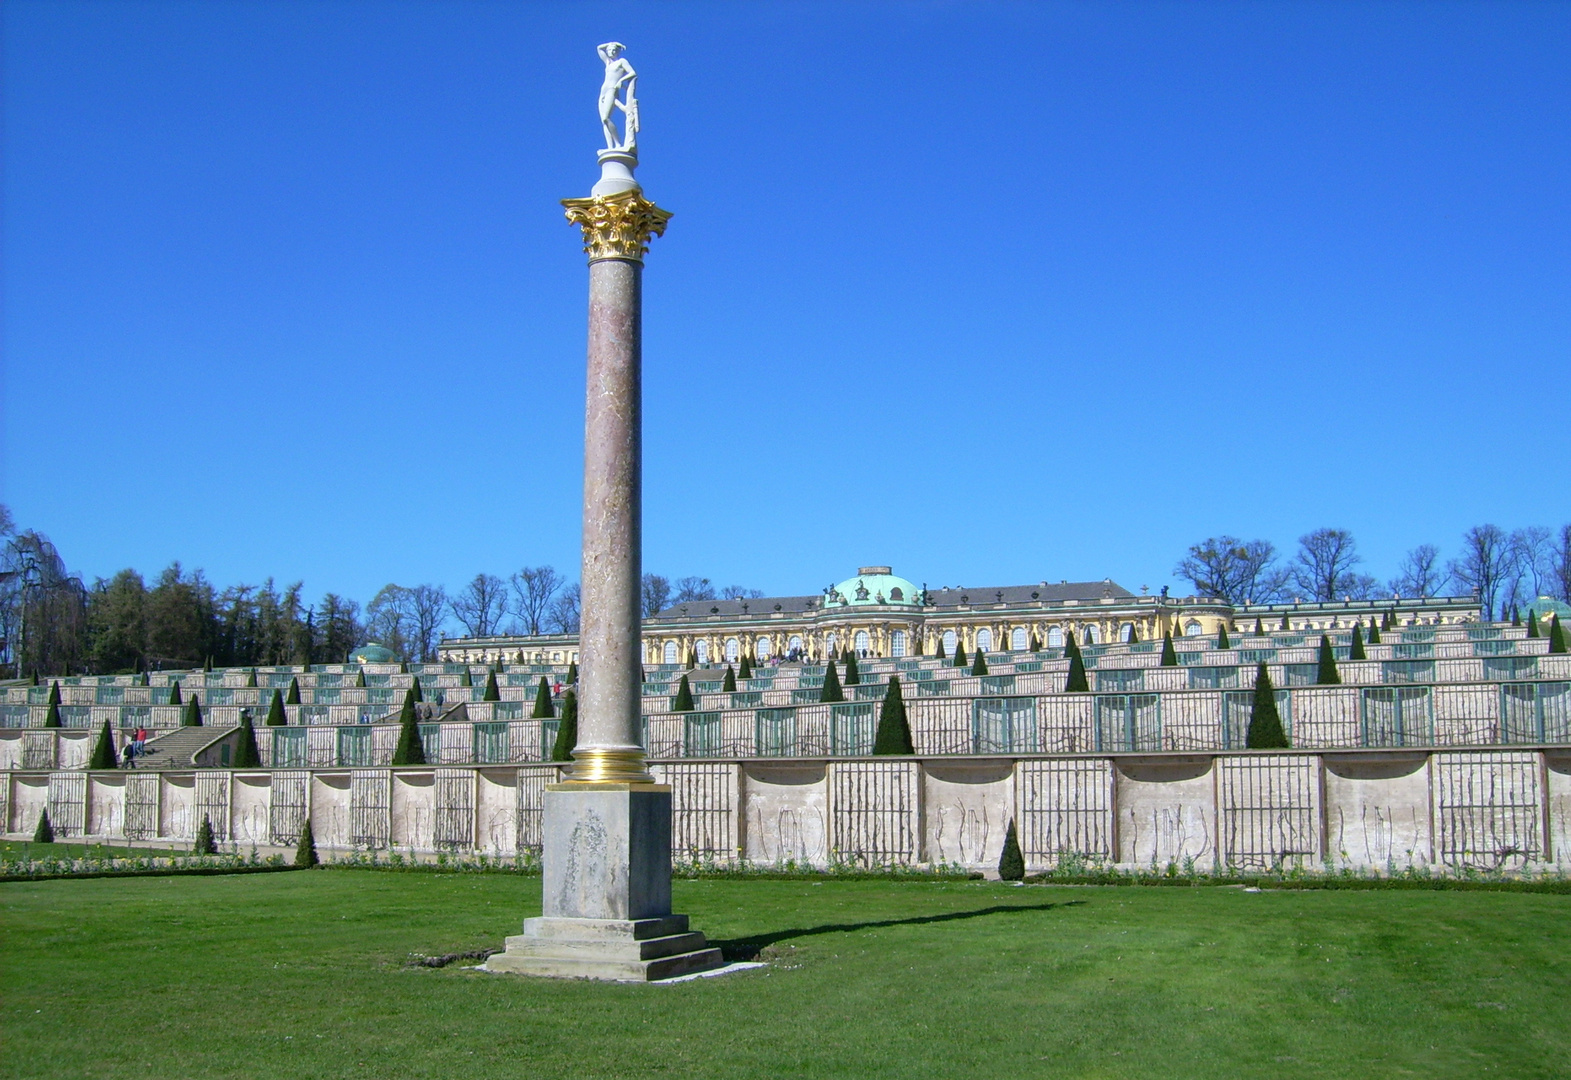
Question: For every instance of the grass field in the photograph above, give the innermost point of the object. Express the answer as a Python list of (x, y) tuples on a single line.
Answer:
[(306, 975)]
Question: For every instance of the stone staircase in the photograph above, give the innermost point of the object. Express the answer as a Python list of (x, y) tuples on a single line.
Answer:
[(174, 751)]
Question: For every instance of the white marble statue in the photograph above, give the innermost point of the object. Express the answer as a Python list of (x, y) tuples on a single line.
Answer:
[(618, 73)]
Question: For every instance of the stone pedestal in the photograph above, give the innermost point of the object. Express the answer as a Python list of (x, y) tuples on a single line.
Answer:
[(607, 893)]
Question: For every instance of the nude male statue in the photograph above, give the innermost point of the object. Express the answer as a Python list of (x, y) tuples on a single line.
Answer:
[(618, 73)]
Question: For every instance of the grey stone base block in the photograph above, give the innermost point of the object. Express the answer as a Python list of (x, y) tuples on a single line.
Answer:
[(611, 950)]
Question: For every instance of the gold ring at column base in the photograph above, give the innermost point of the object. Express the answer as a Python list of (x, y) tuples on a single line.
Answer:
[(599, 765)]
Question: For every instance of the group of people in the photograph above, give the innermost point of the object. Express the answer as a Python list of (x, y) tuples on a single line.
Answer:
[(134, 749)]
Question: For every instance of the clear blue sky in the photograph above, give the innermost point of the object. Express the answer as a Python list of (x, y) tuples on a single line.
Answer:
[(990, 292)]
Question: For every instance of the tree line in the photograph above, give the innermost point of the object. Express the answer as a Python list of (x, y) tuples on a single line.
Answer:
[(1506, 571), (52, 623)]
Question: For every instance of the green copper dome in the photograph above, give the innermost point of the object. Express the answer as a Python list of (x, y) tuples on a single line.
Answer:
[(372, 653), (873, 585)]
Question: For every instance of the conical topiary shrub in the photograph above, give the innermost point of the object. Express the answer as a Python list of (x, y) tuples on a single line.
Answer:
[(1259, 629), (360, 676), (1356, 650), (543, 708), (1557, 634), (204, 844), (45, 833), (745, 669), (104, 750), (979, 663), (1076, 682), (174, 691), (572, 673), (416, 689), (567, 731), (1265, 722), (853, 676), (683, 701), (52, 715), (293, 697), (894, 731), (831, 691), (1532, 623), (207, 666), (250, 677), (465, 678), (960, 653), (247, 754), (192, 717), (1287, 623), (1011, 862), (1516, 618), (1169, 654), (1222, 640), (728, 683), (939, 654), (406, 712), (492, 691), (1134, 634), (54, 693), (1374, 632), (305, 851), (1036, 643), (276, 717), (410, 749), (1326, 673), (403, 667)]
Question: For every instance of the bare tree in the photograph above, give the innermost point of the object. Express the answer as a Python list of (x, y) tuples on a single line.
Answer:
[(1484, 564), (1235, 570), (533, 589), (565, 610), (1323, 567), (1560, 564), (693, 588), (656, 591), (481, 605), (1419, 574), (1532, 552), (427, 609), (387, 620), (737, 592)]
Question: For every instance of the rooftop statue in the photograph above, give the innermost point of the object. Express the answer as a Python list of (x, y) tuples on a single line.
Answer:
[(618, 73)]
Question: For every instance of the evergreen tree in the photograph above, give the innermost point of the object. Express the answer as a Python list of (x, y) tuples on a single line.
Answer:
[(728, 683), (45, 833), (853, 676), (208, 666), (1287, 624), (247, 754), (1259, 629), (940, 653), (1134, 634), (416, 689), (1011, 862), (403, 667), (1374, 632), (465, 678), (1516, 616), (1356, 651), (293, 697), (1222, 641), (831, 691), (192, 717), (54, 693), (492, 692), (572, 673), (745, 671), (204, 843), (683, 702), (894, 731), (104, 750), (1169, 654), (305, 851), (1532, 623), (979, 665), (250, 677), (567, 732), (1557, 634), (1327, 674), (1265, 722), (960, 653), (360, 676), (1036, 642), (143, 680), (410, 749), (406, 713), (1076, 682), (543, 709), (52, 717), (276, 717), (174, 692)]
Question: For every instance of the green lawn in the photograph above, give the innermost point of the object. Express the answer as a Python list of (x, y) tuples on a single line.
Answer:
[(305, 975), (23, 849)]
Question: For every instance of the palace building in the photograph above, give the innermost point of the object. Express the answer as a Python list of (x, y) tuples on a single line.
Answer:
[(877, 613)]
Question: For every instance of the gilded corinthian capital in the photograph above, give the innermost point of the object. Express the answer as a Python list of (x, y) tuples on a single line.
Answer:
[(617, 226)]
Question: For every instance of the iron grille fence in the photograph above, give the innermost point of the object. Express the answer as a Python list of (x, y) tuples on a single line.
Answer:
[(1003, 725), (370, 807), (1535, 713), (1066, 808), (212, 800), (1270, 810), (287, 810), (531, 807), (1489, 809), (454, 827), (68, 803), (851, 729), (1398, 716), (702, 797), (141, 805), (873, 812)]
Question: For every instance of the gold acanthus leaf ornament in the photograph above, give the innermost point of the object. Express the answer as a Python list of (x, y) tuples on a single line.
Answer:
[(617, 226)]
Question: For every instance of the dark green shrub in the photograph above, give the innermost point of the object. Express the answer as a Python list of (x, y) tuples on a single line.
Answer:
[(305, 850), (293, 696), (960, 653), (247, 754), (543, 709), (745, 671), (853, 676), (1076, 683), (360, 676), (831, 691), (894, 731), (1557, 634), (104, 750), (1134, 634), (208, 665), (1326, 674), (417, 689), (250, 677), (465, 678), (1036, 642), (174, 691), (52, 717), (1011, 862), (1532, 623), (1374, 632), (728, 683), (1356, 651), (683, 702), (54, 693), (204, 843), (192, 717), (410, 749), (567, 731), (1169, 654), (492, 691), (940, 653), (572, 673), (1516, 617), (403, 666), (1265, 722), (1222, 641), (1259, 629), (45, 833), (979, 664), (1287, 624)]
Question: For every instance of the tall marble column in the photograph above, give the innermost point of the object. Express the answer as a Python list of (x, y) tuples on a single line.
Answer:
[(606, 894)]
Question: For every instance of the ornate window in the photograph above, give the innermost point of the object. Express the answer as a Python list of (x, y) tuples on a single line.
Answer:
[(984, 639), (701, 651), (763, 648), (1017, 639), (862, 641), (669, 656), (950, 641), (733, 649), (1126, 632), (795, 644), (831, 640), (1055, 638), (895, 594), (897, 643), (1093, 635), (1192, 628)]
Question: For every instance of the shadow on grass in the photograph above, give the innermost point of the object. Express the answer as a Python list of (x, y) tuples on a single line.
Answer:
[(749, 948)]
